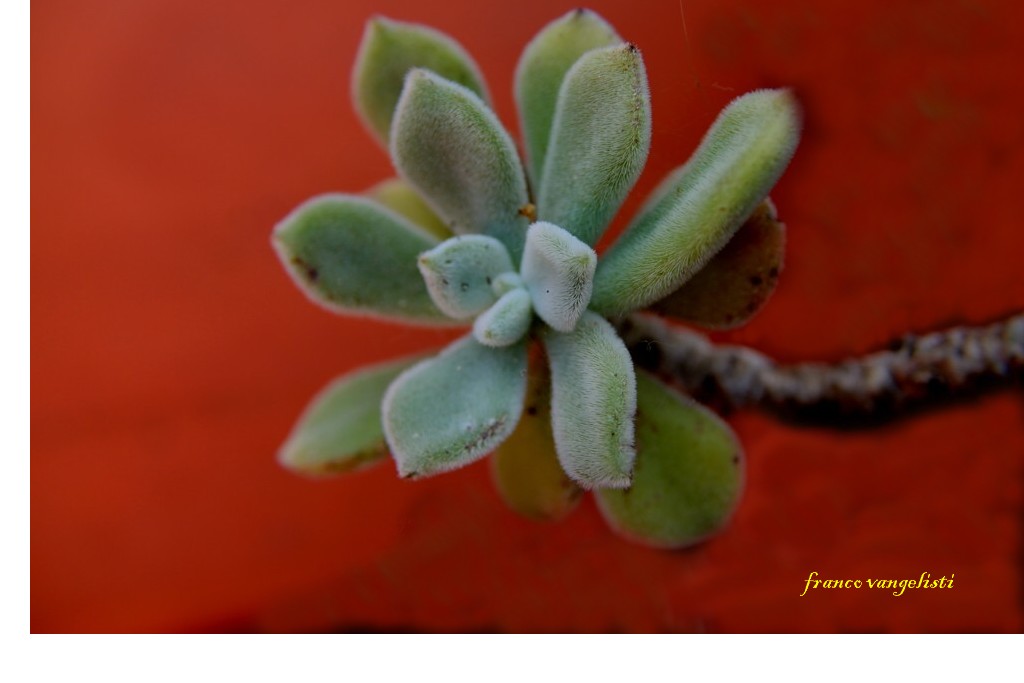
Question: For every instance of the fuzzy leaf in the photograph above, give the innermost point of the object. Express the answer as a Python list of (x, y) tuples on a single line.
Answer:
[(558, 269), (351, 255), (398, 195), (506, 282), (507, 321), (593, 402), (459, 273), (688, 475), (541, 70), (340, 430), (450, 410), (699, 207), (388, 51), (736, 283), (454, 151), (525, 467), (599, 141)]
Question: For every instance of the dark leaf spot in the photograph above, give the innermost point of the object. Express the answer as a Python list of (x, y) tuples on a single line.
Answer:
[(311, 272)]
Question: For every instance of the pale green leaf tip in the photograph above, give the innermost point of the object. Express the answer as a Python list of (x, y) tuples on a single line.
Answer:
[(459, 273), (506, 282), (600, 138), (302, 458), (593, 403), (451, 410), (340, 430), (701, 205), (452, 148), (558, 270), (387, 51), (351, 255), (506, 322), (541, 69)]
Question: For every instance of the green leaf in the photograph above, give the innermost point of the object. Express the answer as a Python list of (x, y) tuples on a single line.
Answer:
[(737, 282), (506, 282), (454, 151), (388, 51), (593, 402), (340, 430), (450, 410), (525, 467), (400, 197), (695, 211), (599, 141), (558, 269), (541, 70), (688, 475), (507, 321), (459, 273), (351, 255)]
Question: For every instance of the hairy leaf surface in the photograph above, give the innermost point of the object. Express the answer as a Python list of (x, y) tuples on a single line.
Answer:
[(388, 51), (699, 207), (351, 255), (593, 401), (688, 474), (460, 271), (451, 410), (599, 141), (340, 430), (541, 70), (737, 282), (449, 145), (558, 269)]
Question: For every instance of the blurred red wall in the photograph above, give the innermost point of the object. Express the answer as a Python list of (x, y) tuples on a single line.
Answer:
[(171, 354)]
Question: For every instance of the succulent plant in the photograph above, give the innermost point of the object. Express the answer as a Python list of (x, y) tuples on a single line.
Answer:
[(469, 235)]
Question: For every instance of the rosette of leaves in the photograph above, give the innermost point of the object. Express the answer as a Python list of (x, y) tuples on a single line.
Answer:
[(470, 235)]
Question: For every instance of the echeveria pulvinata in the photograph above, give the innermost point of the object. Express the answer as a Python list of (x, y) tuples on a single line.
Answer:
[(468, 234)]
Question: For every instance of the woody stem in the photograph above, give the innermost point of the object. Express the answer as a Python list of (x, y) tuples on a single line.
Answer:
[(916, 371)]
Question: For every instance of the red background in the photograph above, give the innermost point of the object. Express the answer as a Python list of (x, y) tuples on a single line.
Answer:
[(171, 354)]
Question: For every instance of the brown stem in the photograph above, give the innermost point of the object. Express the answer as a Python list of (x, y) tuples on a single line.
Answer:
[(917, 371)]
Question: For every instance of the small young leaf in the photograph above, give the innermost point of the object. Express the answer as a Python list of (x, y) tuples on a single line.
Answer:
[(541, 70), (695, 211), (506, 282), (387, 52), (507, 321), (558, 269), (736, 283), (459, 273), (450, 410), (593, 401), (454, 151), (688, 474), (525, 467), (340, 430), (398, 195), (599, 141), (351, 255)]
